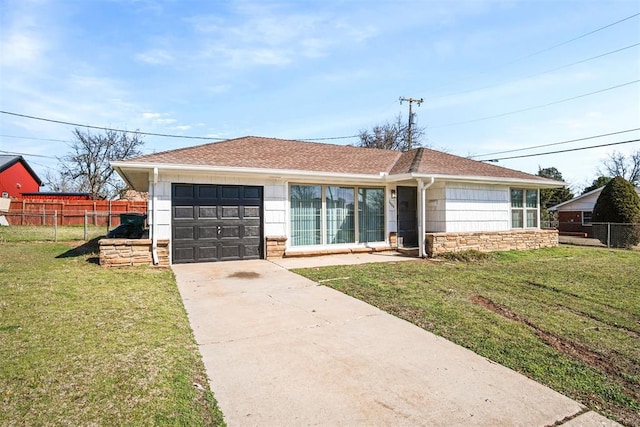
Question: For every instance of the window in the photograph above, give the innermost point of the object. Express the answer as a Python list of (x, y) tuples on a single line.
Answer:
[(340, 215), (334, 215), (370, 215), (306, 209), (524, 208), (586, 217)]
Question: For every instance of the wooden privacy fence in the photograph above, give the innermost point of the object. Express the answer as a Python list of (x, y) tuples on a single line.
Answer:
[(71, 212)]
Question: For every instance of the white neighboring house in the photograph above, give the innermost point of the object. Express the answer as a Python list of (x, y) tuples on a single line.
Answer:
[(574, 216), (256, 197)]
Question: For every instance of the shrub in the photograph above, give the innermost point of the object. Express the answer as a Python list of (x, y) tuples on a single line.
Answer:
[(618, 203)]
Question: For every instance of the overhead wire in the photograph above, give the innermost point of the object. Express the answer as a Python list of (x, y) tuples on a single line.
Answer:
[(534, 107), (564, 151), (533, 75), (554, 143)]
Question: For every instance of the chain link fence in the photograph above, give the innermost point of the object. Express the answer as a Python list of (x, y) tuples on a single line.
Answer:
[(603, 234), (46, 225)]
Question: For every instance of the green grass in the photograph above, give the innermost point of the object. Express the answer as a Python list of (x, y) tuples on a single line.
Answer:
[(38, 233), (84, 345), (567, 317)]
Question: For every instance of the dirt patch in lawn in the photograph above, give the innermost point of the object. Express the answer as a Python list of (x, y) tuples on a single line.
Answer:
[(604, 362)]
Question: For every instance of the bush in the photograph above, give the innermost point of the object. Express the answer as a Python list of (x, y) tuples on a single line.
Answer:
[(618, 203)]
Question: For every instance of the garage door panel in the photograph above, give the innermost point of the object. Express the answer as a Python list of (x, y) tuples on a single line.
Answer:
[(207, 212), (252, 193), (183, 212), (251, 212), (207, 232), (181, 254), (215, 223), (252, 231), (230, 212), (208, 253), (207, 192), (230, 192), (183, 191), (184, 233)]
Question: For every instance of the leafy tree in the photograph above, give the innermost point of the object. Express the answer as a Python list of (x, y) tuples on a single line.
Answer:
[(392, 136), (552, 196), (600, 181), (618, 203), (87, 166), (617, 164)]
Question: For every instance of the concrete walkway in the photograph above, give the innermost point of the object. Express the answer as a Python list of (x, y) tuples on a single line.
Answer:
[(282, 351)]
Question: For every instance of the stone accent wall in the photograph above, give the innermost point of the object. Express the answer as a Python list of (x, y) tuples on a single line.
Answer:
[(276, 246), (393, 239), (439, 243), (129, 252)]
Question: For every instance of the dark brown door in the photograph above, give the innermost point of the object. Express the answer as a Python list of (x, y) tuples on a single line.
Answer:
[(408, 216), (216, 222)]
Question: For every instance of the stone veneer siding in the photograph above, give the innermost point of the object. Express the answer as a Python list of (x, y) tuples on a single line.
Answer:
[(276, 246), (129, 252), (440, 243)]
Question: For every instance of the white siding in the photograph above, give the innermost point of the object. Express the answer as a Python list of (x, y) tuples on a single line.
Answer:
[(585, 203), (470, 208), (435, 209)]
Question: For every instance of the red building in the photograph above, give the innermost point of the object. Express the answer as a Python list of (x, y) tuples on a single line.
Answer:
[(17, 177)]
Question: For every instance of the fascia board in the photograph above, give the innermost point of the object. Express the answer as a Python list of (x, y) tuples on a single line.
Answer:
[(534, 183), (257, 172)]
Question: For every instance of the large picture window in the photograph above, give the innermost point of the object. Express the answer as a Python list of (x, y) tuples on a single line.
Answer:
[(336, 214), (524, 208)]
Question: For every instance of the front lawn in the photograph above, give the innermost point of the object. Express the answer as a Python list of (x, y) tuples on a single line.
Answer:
[(83, 345), (567, 317)]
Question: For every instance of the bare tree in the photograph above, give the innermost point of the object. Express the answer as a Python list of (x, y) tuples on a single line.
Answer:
[(391, 136), (57, 181), (87, 166), (620, 165)]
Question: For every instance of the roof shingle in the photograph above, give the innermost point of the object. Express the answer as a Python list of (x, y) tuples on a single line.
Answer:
[(270, 153)]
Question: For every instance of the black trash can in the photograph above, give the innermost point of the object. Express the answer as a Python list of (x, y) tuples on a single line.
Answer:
[(131, 226)]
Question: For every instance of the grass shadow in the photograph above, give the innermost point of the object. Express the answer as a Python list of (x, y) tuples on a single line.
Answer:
[(87, 248)]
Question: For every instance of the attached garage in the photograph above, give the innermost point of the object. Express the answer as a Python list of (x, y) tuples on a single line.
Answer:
[(216, 222)]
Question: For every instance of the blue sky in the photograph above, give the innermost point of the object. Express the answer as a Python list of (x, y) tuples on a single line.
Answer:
[(318, 69)]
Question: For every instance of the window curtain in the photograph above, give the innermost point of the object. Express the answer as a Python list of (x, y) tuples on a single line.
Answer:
[(370, 215), (306, 215), (340, 214)]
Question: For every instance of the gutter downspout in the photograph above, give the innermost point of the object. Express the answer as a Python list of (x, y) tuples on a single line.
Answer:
[(154, 226), (422, 209)]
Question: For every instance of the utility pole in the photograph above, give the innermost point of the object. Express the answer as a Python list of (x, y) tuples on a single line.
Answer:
[(410, 101)]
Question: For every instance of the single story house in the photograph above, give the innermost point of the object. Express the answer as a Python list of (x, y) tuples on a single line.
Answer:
[(17, 177), (574, 216), (255, 197)]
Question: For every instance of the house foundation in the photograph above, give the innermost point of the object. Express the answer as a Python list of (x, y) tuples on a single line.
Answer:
[(132, 252), (441, 243)]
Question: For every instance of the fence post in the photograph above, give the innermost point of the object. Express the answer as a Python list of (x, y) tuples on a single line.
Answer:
[(55, 225), (86, 226), (608, 235)]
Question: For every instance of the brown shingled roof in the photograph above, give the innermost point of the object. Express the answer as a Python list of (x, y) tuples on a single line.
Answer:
[(270, 153)]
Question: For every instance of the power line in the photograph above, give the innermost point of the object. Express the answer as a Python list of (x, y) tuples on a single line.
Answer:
[(554, 143), (549, 48), (564, 151), (25, 154), (35, 139), (107, 128), (536, 74), (140, 132), (535, 107)]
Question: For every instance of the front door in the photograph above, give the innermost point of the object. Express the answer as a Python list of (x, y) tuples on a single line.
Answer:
[(408, 216)]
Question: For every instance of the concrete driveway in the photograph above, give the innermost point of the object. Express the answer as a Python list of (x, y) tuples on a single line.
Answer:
[(281, 350)]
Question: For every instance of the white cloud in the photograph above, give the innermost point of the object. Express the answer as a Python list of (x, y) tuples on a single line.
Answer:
[(155, 57)]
